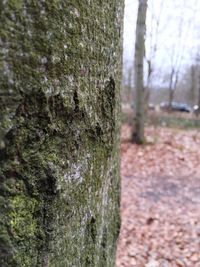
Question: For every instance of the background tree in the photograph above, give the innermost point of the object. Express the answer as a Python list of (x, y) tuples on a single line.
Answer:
[(152, 41), (59, 179), (139, 120), (178, 50), (192, 87)]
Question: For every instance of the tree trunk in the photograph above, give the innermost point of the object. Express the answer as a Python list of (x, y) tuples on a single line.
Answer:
[(59, 178), (171, 89), (138, 129), (192, 88), (148, 86)]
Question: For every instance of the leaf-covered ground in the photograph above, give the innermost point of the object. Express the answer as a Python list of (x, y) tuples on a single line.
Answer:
[(160, 205)]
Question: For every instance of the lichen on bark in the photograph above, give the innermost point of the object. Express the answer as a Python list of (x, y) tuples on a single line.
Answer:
[(59, 179)]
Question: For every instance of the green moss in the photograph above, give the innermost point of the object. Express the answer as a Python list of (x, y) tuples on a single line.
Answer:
[(24, 228), (60, 88), (22, 217), (17, 5)]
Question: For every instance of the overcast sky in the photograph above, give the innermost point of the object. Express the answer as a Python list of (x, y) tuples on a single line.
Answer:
[(177, 35)]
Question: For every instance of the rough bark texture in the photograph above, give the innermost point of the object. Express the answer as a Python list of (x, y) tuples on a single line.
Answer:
[(138, 131), (59, 180)]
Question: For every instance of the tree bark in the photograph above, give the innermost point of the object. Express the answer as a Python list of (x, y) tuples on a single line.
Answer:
[(139, 118), (60, 74)]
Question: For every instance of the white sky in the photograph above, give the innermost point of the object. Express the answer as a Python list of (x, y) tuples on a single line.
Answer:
[(177, 33)]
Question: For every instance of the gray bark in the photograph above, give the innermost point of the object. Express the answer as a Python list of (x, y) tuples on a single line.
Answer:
[(60, 68), (173, 86), (138, 131)]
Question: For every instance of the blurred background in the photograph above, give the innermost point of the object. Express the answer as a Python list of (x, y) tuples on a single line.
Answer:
[(172, 58), (160, 200)]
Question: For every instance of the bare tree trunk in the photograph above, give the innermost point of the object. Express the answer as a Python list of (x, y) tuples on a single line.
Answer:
[(171, 89), (192, 88), (173, 86), (60, 89), (148, 86), (138, 128), (153, 47)]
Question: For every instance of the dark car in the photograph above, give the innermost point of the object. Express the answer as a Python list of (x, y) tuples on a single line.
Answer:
[(175, 106)]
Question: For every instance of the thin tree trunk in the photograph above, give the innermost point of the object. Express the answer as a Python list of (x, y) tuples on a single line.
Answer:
[(192, 88), (148, 86), (59, 179), (171, 89), (138, 129)]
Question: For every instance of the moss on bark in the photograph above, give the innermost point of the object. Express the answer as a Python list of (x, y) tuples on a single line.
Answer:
[(59, 89)]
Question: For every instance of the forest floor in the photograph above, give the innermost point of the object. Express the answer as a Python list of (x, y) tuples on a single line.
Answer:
[(160, 202)]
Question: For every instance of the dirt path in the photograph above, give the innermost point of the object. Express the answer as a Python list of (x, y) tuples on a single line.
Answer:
[(160, 200)]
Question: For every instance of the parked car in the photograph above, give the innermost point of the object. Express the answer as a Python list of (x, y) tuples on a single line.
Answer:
[(182, 107)]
